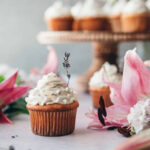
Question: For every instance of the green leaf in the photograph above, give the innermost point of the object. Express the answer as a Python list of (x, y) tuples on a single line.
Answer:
[(18, 80), (2, 78), (18, 107)]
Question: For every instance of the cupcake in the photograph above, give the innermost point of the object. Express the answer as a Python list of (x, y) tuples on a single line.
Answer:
[(52, 107), (148, 6), (76, 10), (58, 17), (107, 8), (98, 88), (115, 16), (92, 17), (134, 17)]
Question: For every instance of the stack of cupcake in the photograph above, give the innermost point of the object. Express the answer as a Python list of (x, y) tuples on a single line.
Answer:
[(120, 16)]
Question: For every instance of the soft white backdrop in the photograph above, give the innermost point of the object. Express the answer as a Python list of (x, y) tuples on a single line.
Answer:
[(20, 22)]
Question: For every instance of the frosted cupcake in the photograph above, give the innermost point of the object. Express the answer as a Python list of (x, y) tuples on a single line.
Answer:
[(92, 16), (58, 17), (134, 18), (76, 10), (97, 86), (52, 107), (148, 6), (107, 10), (115, 17)]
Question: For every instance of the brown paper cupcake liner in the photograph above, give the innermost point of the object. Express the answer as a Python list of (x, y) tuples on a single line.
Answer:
[(135, 23), (115, 22), (53, 122), (59, 24), (97, 92), (93, 24)]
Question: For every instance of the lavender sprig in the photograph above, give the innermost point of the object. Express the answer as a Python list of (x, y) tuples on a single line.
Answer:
[(66, 65)]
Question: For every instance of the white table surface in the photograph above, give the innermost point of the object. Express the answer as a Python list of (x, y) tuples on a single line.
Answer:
[(81, 139)]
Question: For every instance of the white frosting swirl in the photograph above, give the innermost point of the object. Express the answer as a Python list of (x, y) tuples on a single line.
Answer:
[(148, 4), (91, 9), (50, 89), (118, 7), (139, 116), (135, 6), (107, 8), (57, 10), (111, 74), (76, 9)]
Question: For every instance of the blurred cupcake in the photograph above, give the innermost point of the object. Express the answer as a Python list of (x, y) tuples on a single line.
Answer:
[(92, 17), (97, 86), (58, 17), (52, 107), (148, 6), (107, 9), (115, 17), (76, 10), (134, 18)]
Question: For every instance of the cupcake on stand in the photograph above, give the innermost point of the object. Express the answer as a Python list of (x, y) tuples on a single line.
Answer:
[(92, 16), (98, 88), (115, 16), (135, 17), (58, 17), (75, 11), (148, 6)]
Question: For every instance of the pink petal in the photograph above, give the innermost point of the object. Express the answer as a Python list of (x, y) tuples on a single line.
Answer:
[(142, 70), (130, 84), (116, 116), (115, 95), (10, 95), (9, 83), (4, 119), (52, 62), (137, 142)]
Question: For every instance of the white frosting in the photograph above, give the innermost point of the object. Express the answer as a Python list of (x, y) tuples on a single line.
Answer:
[(49, 90), (148, 4), (135, 6), (76, 9), (91, 9), (57, 10), (107, 8), (118, 7), (139, 116), (109, 72)]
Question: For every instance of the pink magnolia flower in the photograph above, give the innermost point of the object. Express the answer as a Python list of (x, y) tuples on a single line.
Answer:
[(9, 93), (135, 85)]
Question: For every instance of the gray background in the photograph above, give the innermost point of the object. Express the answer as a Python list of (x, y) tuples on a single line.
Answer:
[(21, 21)]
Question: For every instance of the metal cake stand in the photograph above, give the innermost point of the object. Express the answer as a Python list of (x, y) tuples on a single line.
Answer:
[(105, 46)]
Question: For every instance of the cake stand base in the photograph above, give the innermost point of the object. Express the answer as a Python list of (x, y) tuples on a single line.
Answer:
[(102, 52)]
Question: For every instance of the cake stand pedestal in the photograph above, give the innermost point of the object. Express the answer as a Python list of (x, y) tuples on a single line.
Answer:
[(105, 47)]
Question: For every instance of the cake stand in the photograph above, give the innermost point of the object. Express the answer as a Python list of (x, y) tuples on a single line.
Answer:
[(105, 46)]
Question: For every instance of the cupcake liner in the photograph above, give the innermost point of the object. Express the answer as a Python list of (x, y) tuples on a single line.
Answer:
[(51, 122), (76, 25), (115, 22), (59, 24), (135, 23), (97, 92), (93, 23)]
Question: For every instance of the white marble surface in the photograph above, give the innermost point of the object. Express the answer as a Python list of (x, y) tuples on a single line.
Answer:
[(81, 139)]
